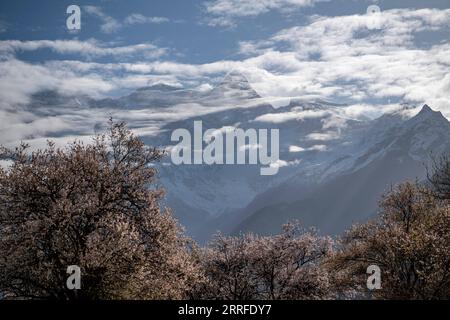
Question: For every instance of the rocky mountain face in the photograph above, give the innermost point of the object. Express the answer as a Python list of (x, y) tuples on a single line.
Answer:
[(399, 152), (333, 168)]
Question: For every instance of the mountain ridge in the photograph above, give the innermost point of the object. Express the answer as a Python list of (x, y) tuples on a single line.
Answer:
[(364, 185), (321, 149)]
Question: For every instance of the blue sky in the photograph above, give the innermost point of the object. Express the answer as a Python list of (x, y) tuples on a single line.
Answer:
[(308, 48), (189, 32)]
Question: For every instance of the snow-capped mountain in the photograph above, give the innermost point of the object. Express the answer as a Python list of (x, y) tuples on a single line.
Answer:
[(234, 86), (334, 165), (399, 152)]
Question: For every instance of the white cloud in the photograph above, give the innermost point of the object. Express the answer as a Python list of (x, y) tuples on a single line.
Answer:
[(89, 48), (226, 12), (204, 87), (334, 122), (318, 147), (322, 136), (282, 163), (366, 111), (109, 24), (339, 58), (292, 115), (44, 126), (279, 164), (295, 149), (18, 80), (331, 58), (137, 18)]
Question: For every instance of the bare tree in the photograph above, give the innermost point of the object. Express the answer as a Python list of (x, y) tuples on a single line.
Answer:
[(95, 206), (409, 241), (439, 177), (228, 275), (285, 266)]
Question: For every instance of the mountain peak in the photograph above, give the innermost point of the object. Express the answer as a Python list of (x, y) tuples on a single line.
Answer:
[(426, 111), (234, 76), (428, 115), (235, 85)]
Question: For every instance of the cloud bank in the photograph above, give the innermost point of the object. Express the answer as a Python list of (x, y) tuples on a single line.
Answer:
[(331, 58)]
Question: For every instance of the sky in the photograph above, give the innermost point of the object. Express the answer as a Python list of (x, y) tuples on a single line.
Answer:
[(317, 49)]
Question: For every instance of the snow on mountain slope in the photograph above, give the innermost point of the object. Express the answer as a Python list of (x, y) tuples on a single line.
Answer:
[(320, 142), (234, 86), (398, 154)]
